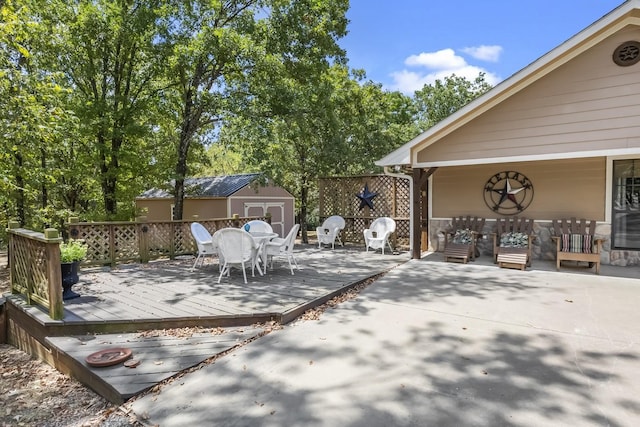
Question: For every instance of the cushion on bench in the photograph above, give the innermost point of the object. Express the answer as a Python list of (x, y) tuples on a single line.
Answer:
[(463, 236), (514, 240), (577, 243)]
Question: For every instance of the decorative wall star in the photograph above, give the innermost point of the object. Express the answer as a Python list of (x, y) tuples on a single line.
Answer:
[(366, 197)]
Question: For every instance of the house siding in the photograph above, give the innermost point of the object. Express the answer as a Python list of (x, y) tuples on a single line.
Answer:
[(587, 104), (562, 189)]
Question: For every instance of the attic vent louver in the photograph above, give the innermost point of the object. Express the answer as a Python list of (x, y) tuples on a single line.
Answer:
[(628, 53)]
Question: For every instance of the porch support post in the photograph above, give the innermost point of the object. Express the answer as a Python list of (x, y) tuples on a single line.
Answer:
[(420, 210)]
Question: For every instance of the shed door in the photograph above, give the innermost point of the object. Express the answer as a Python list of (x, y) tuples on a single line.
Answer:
[(276, 209)]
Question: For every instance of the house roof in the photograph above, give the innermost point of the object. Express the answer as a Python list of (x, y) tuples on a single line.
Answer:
[(625, 14), (213, 186)]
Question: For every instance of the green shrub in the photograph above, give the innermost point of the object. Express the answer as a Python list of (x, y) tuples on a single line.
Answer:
[(73, 250)]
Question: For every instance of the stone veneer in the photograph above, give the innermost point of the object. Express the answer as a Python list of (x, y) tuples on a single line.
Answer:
[(543, 247)]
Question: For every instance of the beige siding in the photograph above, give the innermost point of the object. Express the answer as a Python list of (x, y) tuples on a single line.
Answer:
[(160, 209), (587, 104), (205, 208), (154, 209), (562, 188)]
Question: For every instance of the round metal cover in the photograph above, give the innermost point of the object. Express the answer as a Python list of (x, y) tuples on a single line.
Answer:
[(108, 357), (628, 53)]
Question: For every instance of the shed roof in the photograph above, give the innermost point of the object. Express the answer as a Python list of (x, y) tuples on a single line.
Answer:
[(213, 186), (625, 14)]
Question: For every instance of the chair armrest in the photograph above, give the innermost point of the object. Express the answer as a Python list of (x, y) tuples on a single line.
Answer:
[(557, 240)]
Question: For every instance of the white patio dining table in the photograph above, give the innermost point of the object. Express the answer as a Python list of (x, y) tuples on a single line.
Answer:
[(261, 239)]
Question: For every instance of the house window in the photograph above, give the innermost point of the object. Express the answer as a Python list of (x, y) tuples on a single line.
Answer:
[(626, 204)]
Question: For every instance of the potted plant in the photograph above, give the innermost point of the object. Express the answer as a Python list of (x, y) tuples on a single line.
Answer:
[(72, 253)]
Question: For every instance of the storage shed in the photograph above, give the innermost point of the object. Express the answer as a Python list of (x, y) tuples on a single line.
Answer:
[(223, 196)]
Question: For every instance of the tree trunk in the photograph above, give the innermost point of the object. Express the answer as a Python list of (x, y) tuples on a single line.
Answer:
[(304, 194), (20, 202)]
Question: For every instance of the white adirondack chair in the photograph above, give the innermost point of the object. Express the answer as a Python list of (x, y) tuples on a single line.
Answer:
[(278, 247), (377, 235), (330, 231), (204, 241), (236, 248)]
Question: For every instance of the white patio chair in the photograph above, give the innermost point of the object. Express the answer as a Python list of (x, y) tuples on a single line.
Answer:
[(284, 247), (377, 235), (204, 241), (236, 248), (330, 231), (258, 226)]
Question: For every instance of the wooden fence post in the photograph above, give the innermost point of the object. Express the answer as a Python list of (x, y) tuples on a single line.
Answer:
[(267, 217), (143, 239), (54, 273)]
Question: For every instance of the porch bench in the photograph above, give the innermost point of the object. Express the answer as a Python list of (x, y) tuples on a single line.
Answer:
[(460, 239), (575, 241)]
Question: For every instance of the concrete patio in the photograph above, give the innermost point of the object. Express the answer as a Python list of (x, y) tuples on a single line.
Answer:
[(435, 343)]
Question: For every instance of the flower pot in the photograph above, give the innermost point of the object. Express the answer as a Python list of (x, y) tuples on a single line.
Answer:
[(69, 278)]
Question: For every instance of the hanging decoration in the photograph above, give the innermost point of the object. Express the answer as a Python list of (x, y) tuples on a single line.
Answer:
[(366, 197), (508, 192)]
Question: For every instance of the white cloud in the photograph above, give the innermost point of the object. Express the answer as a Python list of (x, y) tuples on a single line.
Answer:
[(440, 60), (484, 53), (441, 64)]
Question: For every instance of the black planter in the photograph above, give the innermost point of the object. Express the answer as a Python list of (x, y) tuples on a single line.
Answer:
[(69, 278)]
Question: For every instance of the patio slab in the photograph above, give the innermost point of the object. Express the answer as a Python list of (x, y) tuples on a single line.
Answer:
[(435, 343)]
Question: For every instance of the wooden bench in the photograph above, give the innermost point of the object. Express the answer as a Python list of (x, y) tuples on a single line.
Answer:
[(513, 257), (462, 251), (576, 241)]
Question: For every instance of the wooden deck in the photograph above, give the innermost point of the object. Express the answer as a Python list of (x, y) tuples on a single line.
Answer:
[(116, 304)]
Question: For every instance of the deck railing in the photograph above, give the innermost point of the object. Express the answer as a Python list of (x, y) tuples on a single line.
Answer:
[(110, 243), (34, 258)]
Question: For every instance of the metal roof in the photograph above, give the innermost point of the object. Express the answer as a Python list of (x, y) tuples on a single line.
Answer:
[(213, 186)]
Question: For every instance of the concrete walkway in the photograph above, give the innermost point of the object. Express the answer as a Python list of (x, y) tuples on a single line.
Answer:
[(434, 344)]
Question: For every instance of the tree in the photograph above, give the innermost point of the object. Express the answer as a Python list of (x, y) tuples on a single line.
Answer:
[(113, 54), (436, 102)]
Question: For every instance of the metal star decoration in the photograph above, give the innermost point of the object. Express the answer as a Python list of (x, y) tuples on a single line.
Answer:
[(508, 193), (366, 197)]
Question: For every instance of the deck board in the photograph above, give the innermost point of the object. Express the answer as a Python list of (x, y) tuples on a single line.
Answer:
[(168, 294)]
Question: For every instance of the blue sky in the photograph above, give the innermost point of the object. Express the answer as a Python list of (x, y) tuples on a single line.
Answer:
[(405, 44)]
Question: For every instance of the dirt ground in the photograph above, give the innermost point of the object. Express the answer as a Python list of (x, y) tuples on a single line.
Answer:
[(32, 393)]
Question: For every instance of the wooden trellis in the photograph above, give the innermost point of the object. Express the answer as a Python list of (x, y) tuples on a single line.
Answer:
[(339, 196)]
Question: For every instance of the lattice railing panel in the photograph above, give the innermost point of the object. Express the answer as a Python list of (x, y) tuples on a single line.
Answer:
[(159, 237), (126, 242), (98, 239), (109, 243), (339, 196), (29, 266)]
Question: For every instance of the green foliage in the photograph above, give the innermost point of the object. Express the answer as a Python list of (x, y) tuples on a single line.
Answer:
[(73, 250), (438, 101)]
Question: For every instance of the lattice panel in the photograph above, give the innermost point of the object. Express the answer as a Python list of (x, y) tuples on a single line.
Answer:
[(29, 264), (126, 242), (338, 196), (183, 239), (159, 237), (97, 238)]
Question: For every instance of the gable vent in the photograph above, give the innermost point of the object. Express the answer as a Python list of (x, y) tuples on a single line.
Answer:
[(628, 53)]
